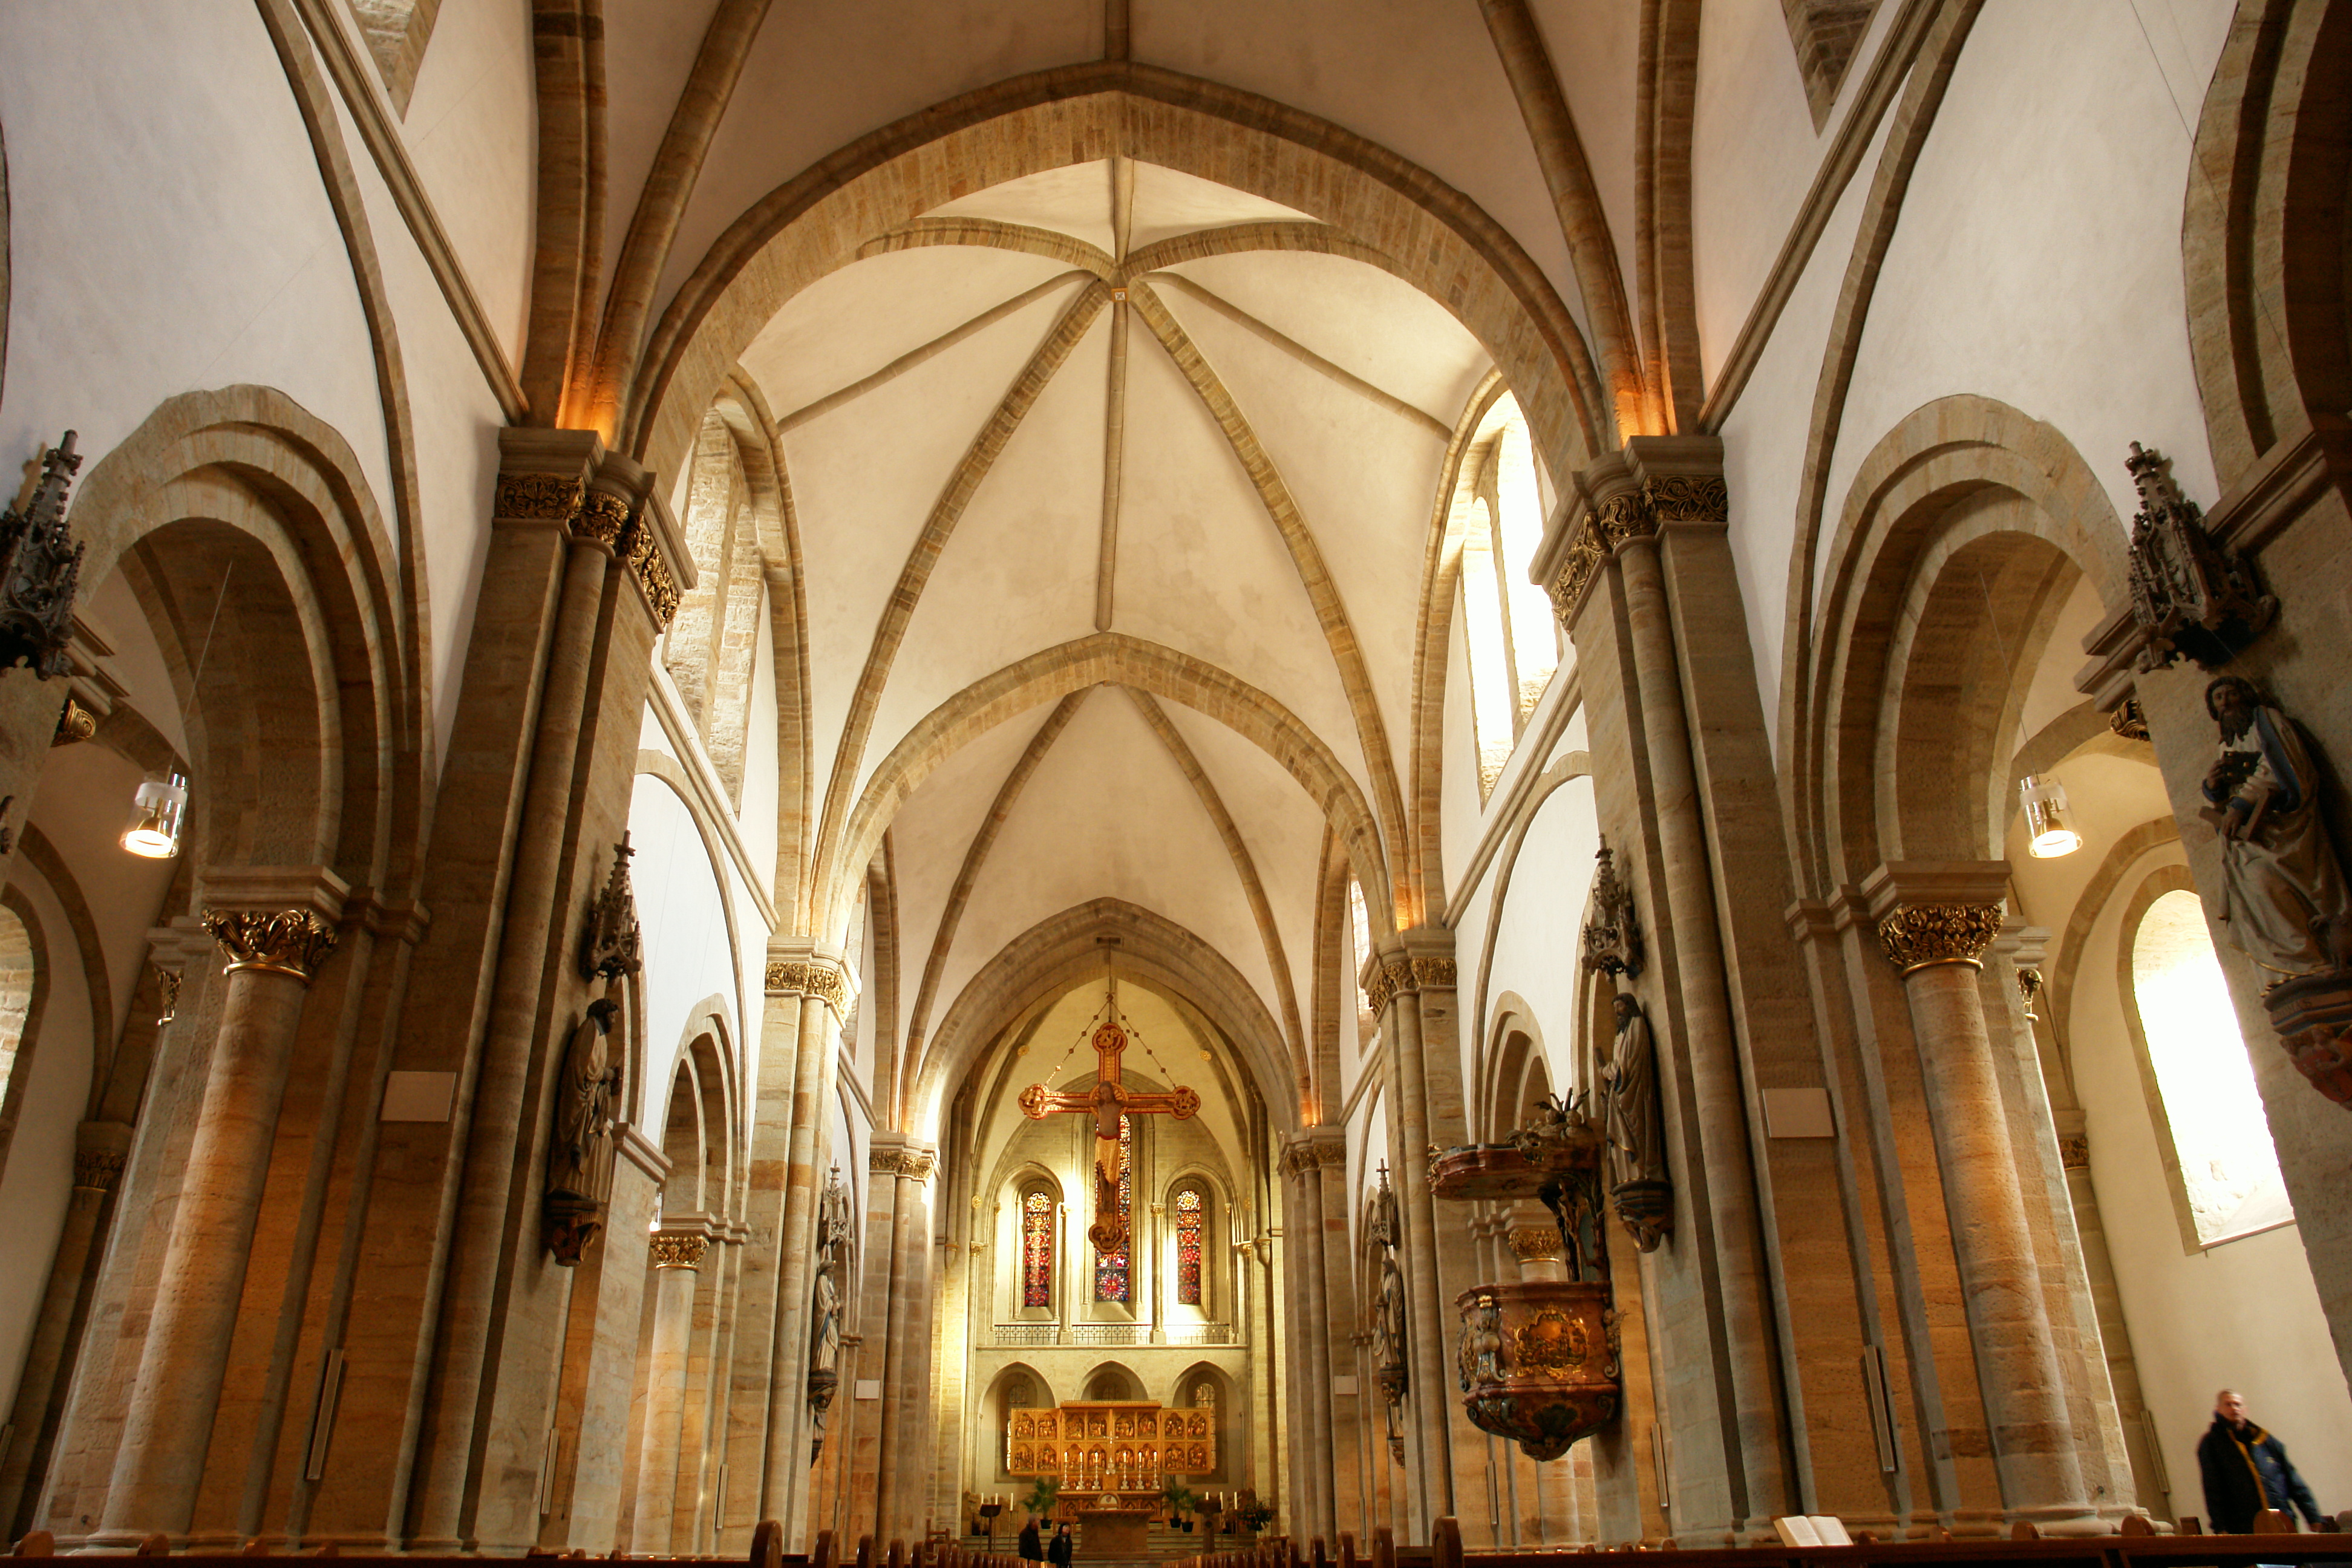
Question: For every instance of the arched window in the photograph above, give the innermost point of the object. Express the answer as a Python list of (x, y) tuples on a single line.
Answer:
[(1508, 631), (2220, 1139), (1188, 1245), (1111, 1279), (1037, 1249)]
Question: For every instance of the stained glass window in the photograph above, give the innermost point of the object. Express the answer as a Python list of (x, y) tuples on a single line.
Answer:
[(1188, 1245), (1111, 1283), (1037, 1250)]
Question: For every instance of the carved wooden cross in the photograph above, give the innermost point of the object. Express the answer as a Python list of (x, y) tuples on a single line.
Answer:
[(1107, 1099)]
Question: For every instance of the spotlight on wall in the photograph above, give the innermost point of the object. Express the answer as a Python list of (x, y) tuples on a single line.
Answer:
[(2049, 821), (155, 830)]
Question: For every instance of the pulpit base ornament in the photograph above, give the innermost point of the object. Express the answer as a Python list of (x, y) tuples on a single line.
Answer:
[(1538, 1362)]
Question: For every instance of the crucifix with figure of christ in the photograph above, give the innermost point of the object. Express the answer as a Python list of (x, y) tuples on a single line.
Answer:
[(1106, 1101)]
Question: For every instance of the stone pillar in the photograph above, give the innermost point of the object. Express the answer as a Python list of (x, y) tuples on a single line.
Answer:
[(823, 982), (1335, 1286), (898, 1479), (272, 953), (1678, 697), (567, 655), (1388, 985), (676, 1261), (1311, 1354), (587, 1501), (1936, 943)]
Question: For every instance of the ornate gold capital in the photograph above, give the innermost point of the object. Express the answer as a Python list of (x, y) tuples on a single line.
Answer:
[(1432, 972), (642, 550), (1583, 558), (1918, 936), (679, 1248), (810, 977), (97, 1169), (543, 498), (903, 1160), (1536, 1243), (1622, 518), (601, 518), (1687, 498), (1393, 976), (1332, 1153), (283, 942)]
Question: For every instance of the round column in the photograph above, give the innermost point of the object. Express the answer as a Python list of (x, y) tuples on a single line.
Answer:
[(272, 954), (1937, 950), (677, 1257)]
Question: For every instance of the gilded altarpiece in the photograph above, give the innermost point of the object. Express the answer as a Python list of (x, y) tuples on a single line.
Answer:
[(1100, 1450)]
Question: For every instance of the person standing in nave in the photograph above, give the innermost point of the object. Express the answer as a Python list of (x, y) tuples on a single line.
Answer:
[(2246, 1470), (1032, 1550), (1062, 1548)]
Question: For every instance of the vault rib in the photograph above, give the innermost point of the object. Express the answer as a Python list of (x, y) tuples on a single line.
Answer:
[(975, 856), (917, 356), (1354, 679), (924, 556), (1244, 867), (1308, 357), (1122, 220)]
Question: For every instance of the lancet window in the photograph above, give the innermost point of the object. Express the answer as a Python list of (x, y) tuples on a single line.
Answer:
[(1188, 1245), (1112, 1281), (1037, 1249)]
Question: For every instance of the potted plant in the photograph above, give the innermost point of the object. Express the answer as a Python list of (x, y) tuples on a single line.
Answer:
[(1178, 1498), (1041, 1495), (1255, 1514)]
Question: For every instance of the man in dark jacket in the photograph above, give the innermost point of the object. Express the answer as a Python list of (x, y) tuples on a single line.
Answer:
[(2246, 1470), (1031, 1549)]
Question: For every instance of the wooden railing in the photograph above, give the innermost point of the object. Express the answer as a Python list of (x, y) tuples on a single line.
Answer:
[(2138, 1547)]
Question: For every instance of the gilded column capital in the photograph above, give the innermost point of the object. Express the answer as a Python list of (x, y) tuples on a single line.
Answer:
[(1622, 518), (680, 1248), (1384, 977), (1536, 1243), (538, 497), (823, 978), (600, 519), (911, 1161), (1434, 975), (1920, 936), (282, 941), (1686, 497)]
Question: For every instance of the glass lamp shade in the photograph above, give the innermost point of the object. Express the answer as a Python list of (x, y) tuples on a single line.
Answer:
[(155, 812), (2049, 820)]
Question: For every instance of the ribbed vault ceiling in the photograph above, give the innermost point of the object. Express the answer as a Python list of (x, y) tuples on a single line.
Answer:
[(1027, 428)]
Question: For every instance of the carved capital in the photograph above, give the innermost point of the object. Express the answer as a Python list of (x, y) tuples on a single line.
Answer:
[(908, 1160), (1624, 517), (538, 497), (810, 977), (282, 941), (601, 518), (1918, 936), (2075, 1151), (654, 578), (75, 722), (1576, 573), (97, 1169), (1687, 498), (1433, 973), (1536, 1243), (679, 1248)]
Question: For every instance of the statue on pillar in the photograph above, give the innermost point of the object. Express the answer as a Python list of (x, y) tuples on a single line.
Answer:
[(580, 1160), (1639, 1186), (833, 1240), (2283, 887), (1391, 1348)]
